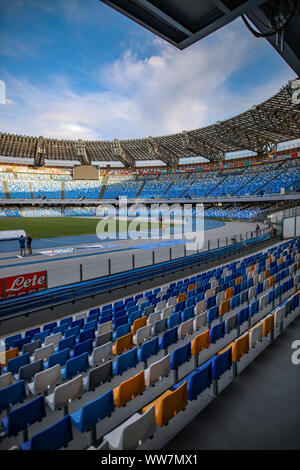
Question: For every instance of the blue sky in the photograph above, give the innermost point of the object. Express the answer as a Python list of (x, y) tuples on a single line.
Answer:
[(79, 69)]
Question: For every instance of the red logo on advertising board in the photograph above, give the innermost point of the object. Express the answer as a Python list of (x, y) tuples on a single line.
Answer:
[(16, 286), (1, 289)]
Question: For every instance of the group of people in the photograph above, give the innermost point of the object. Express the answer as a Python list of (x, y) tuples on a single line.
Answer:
[(22, 242)]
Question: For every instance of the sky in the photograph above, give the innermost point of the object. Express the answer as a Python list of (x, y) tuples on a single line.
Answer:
[(78, 69)]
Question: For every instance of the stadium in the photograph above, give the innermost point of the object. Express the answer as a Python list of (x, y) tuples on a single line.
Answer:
[(155, 304)]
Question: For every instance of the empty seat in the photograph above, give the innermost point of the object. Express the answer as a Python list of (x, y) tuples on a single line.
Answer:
[(199, 321), (9, 340), (75, 366), (255, 334), (44, 352), (105, 327), (231, 323), (83, 347), (66, 343), (240, 347), (129, 389), (169, 404), (13, 365), (201, 342), (122, 331), (98, 375), (217, 332), (31, 347), (22, 417), (148, 349), (268, 324), (169, 337), (53, 339), (159, 326), (28, 371), (142, 334), (12, 394), (104, 338), (65, 393), (197, 381), (221, 363), (101, 354), (180, 356), (186, 328), (153, 317), (123, 344), (157, 371), (167, 311), (19, 343), (50, 326), (5, 356), (6, 380), (138, 323), (45, 380), (93, 412), (133, 432), (125, 361), (53, 438), (59, 357), (279, 315)]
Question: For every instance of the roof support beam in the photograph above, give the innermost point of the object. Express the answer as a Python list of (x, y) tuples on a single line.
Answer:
[(202, 147), (123, 155), (161, 152)]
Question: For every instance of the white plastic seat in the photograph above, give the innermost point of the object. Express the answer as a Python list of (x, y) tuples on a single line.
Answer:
[(256, 279), (142, 334), (101, 354), (157, 370), (65, 393), (160, 305), (255, 334), (263, 301), (153, 317), (279, 315), (45, 380), (220, 297), (200, 307), (199, 321), (133, 432), (266, 284), (6, 380), (209, 293), (53, 339), (261, 276), (79, 316), (167, 311), (105, 328), (140, 301), (186, 328), (44, 352), (252, 292), (172, 301)]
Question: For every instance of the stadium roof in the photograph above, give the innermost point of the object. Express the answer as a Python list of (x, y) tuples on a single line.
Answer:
[(258, 129), (183, 22)]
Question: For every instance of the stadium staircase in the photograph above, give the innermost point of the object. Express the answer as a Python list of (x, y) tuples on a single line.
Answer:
[(267, 182), (245, 184), (140, 190), (63, 190), (104, 184), (6, 189), (188, 187), (218, 184), (30, 190), (163, 195)]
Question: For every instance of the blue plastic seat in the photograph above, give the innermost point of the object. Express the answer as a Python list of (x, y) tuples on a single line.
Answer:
[(95, 311), (53, 438), (83, 347), (15, 393), (122, 330), (120, 321), (90, 325), (169, 337), (174, 319), (148, 349), (125, 361), (75, 366), (60, 329), (217, 332), (42, 335), (221, 363), (85, 335), (243, 315), (50, 326), (73, 331), (187, 313), (32, 332), (212, 314), (19, 343), (24, 416), (13, 365), (91, 413), (79, 323), (66, 321), (180, 356), (197, 381), (9, 340), (66, 343), (211, 302), (59, 357)]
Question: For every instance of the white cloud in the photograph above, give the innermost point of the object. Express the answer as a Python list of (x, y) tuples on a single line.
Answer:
[(166, 92)]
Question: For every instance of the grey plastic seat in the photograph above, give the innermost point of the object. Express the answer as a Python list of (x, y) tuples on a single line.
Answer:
[(31, 347), (153, 317), (148, 310), (105, 328), (159, 326), (252, 292), (103, 339), (98, 376), (28, 371), (65, 393), (279, 315), (160, 305), (45, 380), (231, 323), (53, 339), (172, 301), (79, 316), (209, 293), (101, 354), (220, 297), (255, 334), (133, 432), (167, 311), (44, 352), (200, 307), (157, 370), (6, 380), (263, 301)]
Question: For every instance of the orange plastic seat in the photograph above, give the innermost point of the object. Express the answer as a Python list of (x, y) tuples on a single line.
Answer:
[(238, 280), (270, 259), (228, 293), (124, 343), (268, 324), (224, 307), (138, 323), (191, 287), (129, 389), (240, 347), (267, 273), (169, 404), (181, 297), (252, 267), (200, 343), (272, 281), (6, 355)]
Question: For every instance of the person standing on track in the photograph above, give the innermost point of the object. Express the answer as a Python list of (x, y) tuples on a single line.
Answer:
[(22, 245), (29, 241)]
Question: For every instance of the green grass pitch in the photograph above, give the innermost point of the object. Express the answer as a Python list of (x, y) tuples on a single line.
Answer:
[(50, 227)]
